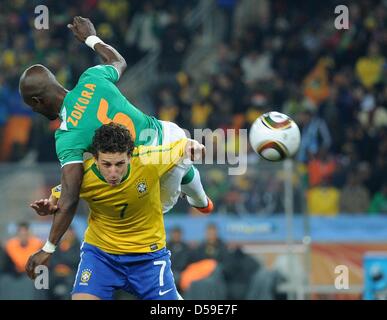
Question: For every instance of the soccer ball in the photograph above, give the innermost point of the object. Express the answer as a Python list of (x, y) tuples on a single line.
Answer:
[(275, 136)]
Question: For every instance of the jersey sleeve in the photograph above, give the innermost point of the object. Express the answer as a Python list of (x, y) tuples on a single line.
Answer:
[(69, 147), (103, 71), (163, 157), (55, 192)]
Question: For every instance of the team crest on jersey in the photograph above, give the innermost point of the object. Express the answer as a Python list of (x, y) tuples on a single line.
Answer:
[(85, 276), (142, 187), (58, 188)]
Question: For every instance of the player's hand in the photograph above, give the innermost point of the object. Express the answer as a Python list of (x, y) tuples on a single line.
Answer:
[(37, 259), (195, 150), (82, 28), (44, 207)]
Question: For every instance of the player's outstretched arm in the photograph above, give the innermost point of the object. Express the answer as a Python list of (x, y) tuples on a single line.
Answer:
[(71, 184), (84, 31)]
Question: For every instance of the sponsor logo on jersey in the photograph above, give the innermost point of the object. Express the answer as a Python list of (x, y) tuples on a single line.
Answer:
[(142, 188), (85, 276)]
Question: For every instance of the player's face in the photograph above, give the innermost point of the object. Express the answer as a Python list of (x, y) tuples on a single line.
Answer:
[(37, 105), (113, 166)]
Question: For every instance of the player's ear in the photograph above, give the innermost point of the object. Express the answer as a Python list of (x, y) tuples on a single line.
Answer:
[(37, 100)]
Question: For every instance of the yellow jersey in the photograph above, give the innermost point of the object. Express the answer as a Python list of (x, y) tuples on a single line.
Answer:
[(128, 218)]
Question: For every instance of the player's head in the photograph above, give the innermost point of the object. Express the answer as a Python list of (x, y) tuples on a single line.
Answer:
[(112, 147), (41, 91)]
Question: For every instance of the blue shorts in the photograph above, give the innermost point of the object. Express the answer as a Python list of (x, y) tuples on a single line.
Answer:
[(146, 275)]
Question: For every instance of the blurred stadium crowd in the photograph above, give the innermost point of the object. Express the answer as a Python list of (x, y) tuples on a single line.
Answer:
[(272, 56)]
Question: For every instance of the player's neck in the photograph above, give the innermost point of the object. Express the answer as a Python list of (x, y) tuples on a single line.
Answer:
[(60, 94)]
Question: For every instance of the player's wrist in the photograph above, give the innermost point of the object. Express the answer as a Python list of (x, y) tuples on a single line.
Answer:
[(49, 247), (91, 41)]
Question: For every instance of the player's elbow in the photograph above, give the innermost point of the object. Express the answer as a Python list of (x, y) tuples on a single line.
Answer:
[(123, 62), (113, 57), (122, 65), (119, 64)]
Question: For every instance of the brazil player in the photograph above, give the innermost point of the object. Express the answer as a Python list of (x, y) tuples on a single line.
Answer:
[(124, 244), (95, 101)]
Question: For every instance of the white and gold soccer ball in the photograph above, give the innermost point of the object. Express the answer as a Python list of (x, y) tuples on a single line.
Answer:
[(275, 136)]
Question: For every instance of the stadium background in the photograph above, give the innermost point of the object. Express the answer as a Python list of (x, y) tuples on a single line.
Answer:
[(279, 230)]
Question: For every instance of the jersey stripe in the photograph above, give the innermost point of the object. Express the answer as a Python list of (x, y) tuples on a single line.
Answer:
[(151, 151), (70, 162)]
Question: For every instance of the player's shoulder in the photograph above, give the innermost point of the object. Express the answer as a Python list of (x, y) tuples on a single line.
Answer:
[(148, 150), (66, 135), (160, 149), (61, 136), (100, 71), (87, 164), (90, 174), (143, 152), (92, 70), (143, 156)]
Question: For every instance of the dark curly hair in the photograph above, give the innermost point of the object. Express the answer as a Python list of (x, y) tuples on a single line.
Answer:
[(112, 138)]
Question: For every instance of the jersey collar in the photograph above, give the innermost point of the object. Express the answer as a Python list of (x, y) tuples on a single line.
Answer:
[(62, 110)]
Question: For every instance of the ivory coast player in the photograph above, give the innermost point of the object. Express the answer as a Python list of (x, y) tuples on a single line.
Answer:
[(124, 244), (95, 101)]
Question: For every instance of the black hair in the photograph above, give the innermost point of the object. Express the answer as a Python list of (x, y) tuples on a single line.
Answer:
[(112, 138)]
